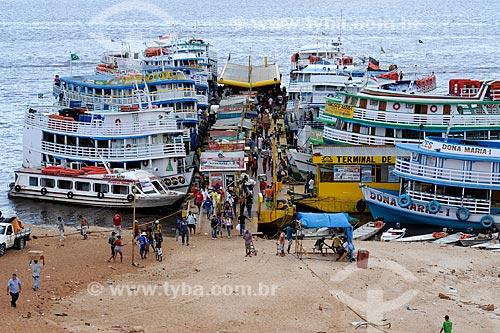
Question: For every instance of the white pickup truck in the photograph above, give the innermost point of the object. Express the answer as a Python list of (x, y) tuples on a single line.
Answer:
[(12, 234)]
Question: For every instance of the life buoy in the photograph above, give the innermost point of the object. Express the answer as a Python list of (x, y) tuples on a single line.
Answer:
[(361, 206), (174, 180), (487, 221), (162, 76), (433, 108), (404, 201), (462, 214), (330, 95), (324, 68), (43, 191), (130, 198), (128, 146), (69, 195), (145, 163), (100, 195), (17, 188), (433, 206), (396, 106), (149, 78), (168, 182), (181, 179), (118, 121)]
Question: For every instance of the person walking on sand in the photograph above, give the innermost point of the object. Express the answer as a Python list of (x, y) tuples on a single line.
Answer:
[(111, 242), (118, 247), (14, 289), (229, 225), (83, 226), (35, 272), (248, 242), (185, 231), (60, 228), (447, 325), (143, 242), (191, 222), (117, 223)]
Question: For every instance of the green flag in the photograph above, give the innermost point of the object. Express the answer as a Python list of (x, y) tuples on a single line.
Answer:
[(74, 56), (382, 50)]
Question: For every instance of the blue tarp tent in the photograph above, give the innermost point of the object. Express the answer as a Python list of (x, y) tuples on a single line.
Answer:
[(325, 220)]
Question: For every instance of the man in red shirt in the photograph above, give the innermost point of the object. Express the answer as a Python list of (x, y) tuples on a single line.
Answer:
[(117, 223)]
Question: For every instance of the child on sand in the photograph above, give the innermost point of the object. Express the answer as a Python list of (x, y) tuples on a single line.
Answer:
[(281, 244)]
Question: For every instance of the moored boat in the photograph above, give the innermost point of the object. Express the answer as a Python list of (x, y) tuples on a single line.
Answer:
[(446, 182), (379, 117), (368, 230), (93, 186), (453, 238), (479, 239), (392, 234), (424, 237)]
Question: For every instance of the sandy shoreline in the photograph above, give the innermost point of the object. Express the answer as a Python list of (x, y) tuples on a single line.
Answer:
[(210, 286)]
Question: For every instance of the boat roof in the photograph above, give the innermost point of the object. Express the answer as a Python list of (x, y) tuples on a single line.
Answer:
[(245, 76), (458, 149), (421, 98), (360, 151), (232, 123), (102, 81)]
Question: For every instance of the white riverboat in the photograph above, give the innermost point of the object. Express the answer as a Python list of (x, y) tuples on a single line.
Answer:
[(378, 117), (93, 186), (146, 139)]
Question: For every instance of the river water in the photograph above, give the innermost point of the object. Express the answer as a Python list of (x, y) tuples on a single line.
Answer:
[(452, 38)]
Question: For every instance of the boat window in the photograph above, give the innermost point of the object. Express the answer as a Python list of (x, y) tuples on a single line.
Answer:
[(409, 106), (65, 184), (82, 186), (119, 189), (48, 182), (326, 176), (158, 186), (475, 193), (104, 188), (33, 181)]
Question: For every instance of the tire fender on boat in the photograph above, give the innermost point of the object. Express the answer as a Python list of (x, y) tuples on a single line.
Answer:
[(463, 214), (487, 221), (433, 206), (100, 195), (361, 205), (404, 200), (17, 188), (130, 198), (69, 195), (43, 191)]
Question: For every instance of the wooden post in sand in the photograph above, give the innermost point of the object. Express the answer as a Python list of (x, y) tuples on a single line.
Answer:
[(133, 224)]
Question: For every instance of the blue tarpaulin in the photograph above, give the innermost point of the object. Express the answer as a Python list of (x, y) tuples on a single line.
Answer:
[(325, 220)]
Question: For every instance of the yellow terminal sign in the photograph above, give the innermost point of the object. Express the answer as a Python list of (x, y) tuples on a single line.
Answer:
[(354, 159)]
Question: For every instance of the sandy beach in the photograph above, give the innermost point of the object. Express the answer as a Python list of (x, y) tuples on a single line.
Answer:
[(210, 286)]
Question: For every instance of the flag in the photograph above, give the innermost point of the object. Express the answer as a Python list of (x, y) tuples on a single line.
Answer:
[(382, 50), (163, 37), (74, 57), (420, 41)]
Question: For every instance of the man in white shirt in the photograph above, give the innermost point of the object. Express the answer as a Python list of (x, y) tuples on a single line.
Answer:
[(35, 272), (311, 185)]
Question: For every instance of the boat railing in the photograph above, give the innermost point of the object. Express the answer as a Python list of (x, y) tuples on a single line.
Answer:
[(129, 152), (157, 96), (312, 123), (202, 99), (453, 177), (352, 138), (98, 127), (475, 206), (297, 86), (398, 118)]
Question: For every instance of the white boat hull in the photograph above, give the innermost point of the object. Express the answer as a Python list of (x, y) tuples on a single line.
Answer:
[(366, 231)]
